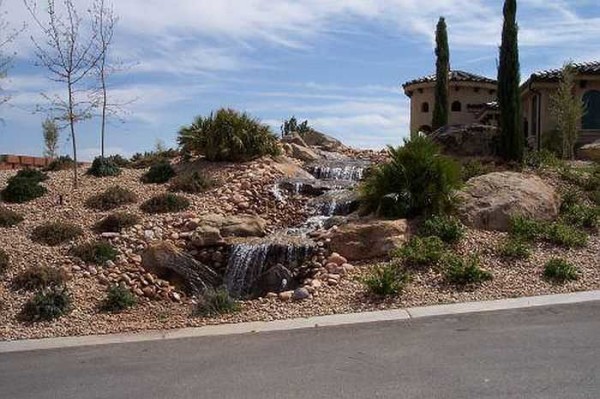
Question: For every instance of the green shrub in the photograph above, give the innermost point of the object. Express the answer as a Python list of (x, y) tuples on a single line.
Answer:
[(581, 216), (48, 304), (515, 248), (97, 252), (542, 159), (103, 167), (216, 302), (55, 233), (165, 203), (565, 235), (118, 160), (560, 271), (386, 280), (9, 218), (147, 159), (4, 261), (595, 197), (22, 189), (118, 299), (116, 222), (159, 173), (112, 198), (60, 163), (421, 251), (526, 228), (191, 183), (447, 228), (228, 135), (474, 168), (39, 277), (32, 174), (464, 271), (417, 180)]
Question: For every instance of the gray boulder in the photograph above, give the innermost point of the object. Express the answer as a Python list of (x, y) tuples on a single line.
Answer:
[(468, 140)]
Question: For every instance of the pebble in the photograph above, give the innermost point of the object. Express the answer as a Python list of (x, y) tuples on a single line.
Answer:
[(301, 294)]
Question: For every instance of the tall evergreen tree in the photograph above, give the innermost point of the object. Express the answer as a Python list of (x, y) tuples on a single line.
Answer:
[(442, 101), (512, 143)]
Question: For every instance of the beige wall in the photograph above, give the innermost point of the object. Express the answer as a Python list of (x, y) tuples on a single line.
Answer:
[(467, 93), (547, 123)]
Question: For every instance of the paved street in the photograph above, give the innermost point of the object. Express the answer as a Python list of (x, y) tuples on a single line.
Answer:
[(551, 352)]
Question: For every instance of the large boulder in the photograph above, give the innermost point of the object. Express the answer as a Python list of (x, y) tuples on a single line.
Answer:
[(170, 263), (489, 202), (317, 139), (304, 154), (294, 138), (368, 239), (468, 140), (591, 151), (212, 229)]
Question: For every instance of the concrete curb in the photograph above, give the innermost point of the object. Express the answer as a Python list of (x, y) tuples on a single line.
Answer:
[(297, 324)]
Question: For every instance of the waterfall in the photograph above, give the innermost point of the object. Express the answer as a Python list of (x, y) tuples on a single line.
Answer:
[(349, 172)]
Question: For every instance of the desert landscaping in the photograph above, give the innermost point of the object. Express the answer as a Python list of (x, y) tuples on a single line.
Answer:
[(289, 234)]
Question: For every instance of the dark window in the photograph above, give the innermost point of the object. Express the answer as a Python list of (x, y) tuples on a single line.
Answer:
[(591, 119), (425, 129), (425, 107), (456, 106)]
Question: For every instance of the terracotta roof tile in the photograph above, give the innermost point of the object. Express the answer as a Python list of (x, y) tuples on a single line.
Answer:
[(455, 76)]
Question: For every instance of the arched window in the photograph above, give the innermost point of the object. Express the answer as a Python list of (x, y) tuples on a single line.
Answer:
[(456, 106), (425, 107), (591, 119)]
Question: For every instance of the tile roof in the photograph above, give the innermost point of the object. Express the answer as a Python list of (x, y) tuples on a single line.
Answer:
[(455, 76), (584, 68)]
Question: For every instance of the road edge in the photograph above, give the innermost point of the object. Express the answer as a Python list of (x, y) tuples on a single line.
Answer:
[(306, 323)]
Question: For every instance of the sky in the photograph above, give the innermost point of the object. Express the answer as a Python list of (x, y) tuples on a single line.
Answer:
[(339, 64)]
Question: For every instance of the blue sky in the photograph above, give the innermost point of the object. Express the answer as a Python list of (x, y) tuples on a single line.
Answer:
[(338, 64)]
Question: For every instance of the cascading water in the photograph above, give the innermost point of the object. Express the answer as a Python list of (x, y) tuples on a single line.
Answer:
[(339, 170)]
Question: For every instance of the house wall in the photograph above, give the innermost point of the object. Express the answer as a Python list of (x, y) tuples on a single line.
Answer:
[(8, 162), (464, 92), (543, 91)]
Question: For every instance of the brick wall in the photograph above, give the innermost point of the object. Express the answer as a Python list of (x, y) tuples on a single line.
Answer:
[(8, 162)]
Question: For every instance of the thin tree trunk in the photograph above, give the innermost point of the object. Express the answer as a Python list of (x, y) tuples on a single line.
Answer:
[(72, 127), (104, 105)]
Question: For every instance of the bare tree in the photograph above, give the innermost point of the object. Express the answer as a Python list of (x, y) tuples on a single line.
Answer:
[(69, 54), (105, 21), (51, 134), (7, 35)]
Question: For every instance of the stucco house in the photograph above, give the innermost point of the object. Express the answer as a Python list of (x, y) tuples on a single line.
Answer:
[(473, 100)]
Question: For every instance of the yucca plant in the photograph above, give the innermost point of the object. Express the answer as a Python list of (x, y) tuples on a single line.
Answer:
[(228, 135)]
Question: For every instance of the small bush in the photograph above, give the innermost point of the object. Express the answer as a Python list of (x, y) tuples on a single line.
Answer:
[(159, 173), (60, 163), (595, 197), (417, 180), (95, 252), (526, 228), (582, 216), (116, 222), (55, 233), (165, 203), (216, 302), (32, 174), (228, 135), (103, 167), (118, 299), (386, 280), (474, 168), (9, 218), (421, 251), (461, 271), (118, 160), (147, 159), (447, 228), (565, 235), (191, 183), (22, 189), (112, 198), (39, 277), (515, 248), (48, 304), (4, 261), (542, 159), (560, 271)]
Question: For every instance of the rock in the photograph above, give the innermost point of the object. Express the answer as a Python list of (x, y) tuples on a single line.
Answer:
[(170, 263), (207, 236), (369, 238), (591, 151), (336, 202), (276, 279), (286, 296), (303, 153), (488, 202), (233, 226), (294, 138), (272, 295), (321, 140), (301, 294), (111, 235), (468, 140), (336, 258), (312, 186)]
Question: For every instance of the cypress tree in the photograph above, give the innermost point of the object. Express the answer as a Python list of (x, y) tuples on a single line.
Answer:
[(512, 142), (442, 52)]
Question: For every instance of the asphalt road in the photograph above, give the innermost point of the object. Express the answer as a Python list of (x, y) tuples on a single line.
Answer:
[(551, 352)]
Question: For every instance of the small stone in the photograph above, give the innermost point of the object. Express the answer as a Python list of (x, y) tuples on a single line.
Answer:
[(149, 292), (271, 295), (301, 294), (176, 296), (110, 264), (337, 259), (316, 283), (286, 296), (110, 235), (348, 267)]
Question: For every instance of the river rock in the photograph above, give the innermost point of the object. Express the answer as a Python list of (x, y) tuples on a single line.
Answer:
[(301, 294), (488, 202), (170, 263), (369, 238), (212, 228), (277, 279), (207, 236)]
